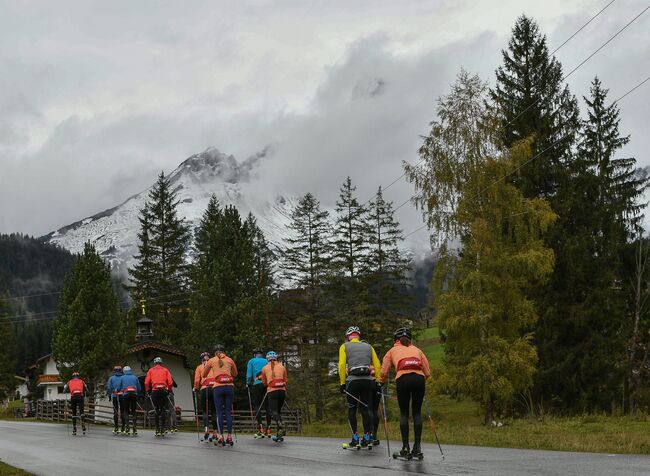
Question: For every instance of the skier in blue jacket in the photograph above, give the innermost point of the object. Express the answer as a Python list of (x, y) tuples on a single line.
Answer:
[(115, 394), (257, 391), (130, 388)]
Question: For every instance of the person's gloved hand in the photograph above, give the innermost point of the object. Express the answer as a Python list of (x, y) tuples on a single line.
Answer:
[(149, 392), (379, 388), (342, 388)]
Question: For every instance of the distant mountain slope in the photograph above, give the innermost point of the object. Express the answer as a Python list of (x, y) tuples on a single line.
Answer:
[(114, 231)]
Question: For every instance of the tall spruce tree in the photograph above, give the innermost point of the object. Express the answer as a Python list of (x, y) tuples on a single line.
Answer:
[(231, 282), (532, 101), (386, 279), (89, 331), (351, 233), (307, 265), (584, 352), (7, 350), (160, 274)]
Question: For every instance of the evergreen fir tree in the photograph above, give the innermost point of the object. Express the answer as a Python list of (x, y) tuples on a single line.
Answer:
[(231, 282), (351, 233), (7, 350), (386, 280), (89, 332), (532, 101), (583, 346), (307, 264), (160, 275)]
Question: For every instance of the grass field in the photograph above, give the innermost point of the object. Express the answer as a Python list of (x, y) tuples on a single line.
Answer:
[(6, 470)]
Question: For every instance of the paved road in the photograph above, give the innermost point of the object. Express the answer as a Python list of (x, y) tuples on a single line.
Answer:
[(46, 449)]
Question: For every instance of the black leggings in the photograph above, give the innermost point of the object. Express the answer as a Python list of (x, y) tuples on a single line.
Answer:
[(276, 400), (361, 389), (376, 400), (118, 410), (410, 389), (207, 403), (77, 403), (258, 393), (160, 402), (129, 401)]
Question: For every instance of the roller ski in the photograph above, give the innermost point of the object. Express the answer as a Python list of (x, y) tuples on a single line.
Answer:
[(354, 444), (417, 454), (116, 431), (260, 433), (220, 441), (404, 454), (268, 433), (207, 437), (280, 436), (74, 432), (229, 441)]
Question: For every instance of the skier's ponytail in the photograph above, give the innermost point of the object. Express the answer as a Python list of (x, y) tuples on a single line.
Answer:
[(272, 369), (220, 361)]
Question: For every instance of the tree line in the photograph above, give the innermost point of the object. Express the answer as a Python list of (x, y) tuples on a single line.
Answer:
[(224, 283), (541, 292)]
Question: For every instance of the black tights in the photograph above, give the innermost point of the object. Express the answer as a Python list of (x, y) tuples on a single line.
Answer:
[(129, 401), (410, 389), (276, 400), (362, 390), (118, 410), (77, 403), (160, 402)]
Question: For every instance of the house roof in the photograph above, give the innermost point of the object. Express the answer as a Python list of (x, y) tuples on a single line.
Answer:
[(169, 349)]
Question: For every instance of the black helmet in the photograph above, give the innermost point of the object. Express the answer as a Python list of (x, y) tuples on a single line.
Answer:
[(75, 374), (258, 351), (402, 332), (218, 348)]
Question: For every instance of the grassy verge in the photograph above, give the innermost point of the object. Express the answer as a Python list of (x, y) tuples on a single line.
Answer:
[(460, 423), (6, 470)]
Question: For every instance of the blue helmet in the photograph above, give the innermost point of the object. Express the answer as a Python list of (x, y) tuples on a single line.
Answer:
[(271, 355)]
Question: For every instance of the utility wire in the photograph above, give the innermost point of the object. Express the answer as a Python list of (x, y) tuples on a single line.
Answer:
[(421, 161), (630, 91)]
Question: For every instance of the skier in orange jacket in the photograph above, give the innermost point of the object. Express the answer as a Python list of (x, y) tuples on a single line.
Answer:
[(412, 370)]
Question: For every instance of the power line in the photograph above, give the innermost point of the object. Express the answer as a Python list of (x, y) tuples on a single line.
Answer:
[(630, 91), (421, 161)]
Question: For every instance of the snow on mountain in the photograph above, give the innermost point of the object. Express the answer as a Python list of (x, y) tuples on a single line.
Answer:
[(114, 231)]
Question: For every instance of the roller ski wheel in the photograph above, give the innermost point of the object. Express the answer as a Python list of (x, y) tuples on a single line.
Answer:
[(418, 456), (135, 433), (348, 446), (74, 432), (278, 438), (116, 431), (376, 442), (399, 456)]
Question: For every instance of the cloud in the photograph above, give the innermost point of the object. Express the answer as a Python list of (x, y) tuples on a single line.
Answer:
[(96, 100)]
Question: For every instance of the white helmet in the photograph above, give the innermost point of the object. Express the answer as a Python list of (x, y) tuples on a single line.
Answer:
[(127, 368), (353, 330), (157, 360)]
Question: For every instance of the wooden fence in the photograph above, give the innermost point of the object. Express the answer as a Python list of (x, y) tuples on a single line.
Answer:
[(60, 410)]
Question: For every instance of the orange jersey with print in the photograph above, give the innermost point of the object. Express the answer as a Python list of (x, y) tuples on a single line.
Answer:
[(200, 381), (406, 360), (274, 377), (223, 374), (76, 387)]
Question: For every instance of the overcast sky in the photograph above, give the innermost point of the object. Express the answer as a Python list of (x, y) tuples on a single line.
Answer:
[(97, 97)]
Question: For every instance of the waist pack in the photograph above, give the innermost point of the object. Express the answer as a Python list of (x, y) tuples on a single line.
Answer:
[(225, 378), (159, 386), (277, 383), (130, 389), (208, 382), (77, 392), (359, 371), (409, 363)]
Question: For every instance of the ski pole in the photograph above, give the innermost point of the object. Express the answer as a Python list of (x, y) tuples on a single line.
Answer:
[(433, 426), (172, 415), (232, 417), (196, 413), (261, 404), (352, 396), (383, 401), (250, 405)]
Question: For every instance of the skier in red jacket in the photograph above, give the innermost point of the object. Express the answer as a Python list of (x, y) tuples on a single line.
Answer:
[(77, 389), (157, 384)]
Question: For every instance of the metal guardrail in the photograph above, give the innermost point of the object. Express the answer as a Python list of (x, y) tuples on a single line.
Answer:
[(59, 410)]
